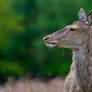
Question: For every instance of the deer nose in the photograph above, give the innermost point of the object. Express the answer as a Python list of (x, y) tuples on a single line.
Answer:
[(46, 38)]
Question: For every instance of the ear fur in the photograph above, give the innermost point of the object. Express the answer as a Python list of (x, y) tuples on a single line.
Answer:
[(90, 17), (82, 15)]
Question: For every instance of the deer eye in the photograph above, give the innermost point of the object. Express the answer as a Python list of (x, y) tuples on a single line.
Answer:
[(72, 29)]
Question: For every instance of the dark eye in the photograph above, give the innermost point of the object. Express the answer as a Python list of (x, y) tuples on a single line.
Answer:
[(72, 29)]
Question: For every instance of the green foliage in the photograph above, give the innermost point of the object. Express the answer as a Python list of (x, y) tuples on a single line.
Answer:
[(8, 68), (23, 24), (9, 22)]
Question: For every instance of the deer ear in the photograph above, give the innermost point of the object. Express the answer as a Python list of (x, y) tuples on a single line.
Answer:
[(90, 17), (82, 15)]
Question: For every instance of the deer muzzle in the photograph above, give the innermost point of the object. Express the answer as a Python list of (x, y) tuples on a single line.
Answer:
[(49, 42)]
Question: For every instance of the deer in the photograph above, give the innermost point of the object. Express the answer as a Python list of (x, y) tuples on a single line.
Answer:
[(76, 37)]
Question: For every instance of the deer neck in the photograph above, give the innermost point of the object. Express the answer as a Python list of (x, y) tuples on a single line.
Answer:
[(81, 57)]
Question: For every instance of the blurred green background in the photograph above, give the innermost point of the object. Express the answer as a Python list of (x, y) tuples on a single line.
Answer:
[(23, 24)]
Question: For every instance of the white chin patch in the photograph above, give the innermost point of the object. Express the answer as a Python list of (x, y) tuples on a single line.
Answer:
[(50, 45)]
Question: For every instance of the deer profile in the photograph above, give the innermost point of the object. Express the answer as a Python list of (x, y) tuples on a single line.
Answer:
[(76, 37)]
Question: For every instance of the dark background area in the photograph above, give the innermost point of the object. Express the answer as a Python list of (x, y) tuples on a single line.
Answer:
[(23, 24)]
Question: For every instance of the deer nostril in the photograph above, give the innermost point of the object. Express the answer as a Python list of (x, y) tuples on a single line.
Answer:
[(46, 38)]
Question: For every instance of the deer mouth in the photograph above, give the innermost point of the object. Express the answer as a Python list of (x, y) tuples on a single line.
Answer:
[(51, 45), (49, 42)]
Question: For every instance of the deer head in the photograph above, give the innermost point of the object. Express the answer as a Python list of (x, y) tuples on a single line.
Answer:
[(72, 36)]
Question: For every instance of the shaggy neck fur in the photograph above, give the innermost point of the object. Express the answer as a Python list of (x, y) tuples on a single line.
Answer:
[(81, 57)]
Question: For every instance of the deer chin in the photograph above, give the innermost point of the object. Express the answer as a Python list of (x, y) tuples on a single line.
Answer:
[(51, 45), (68, 46)]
